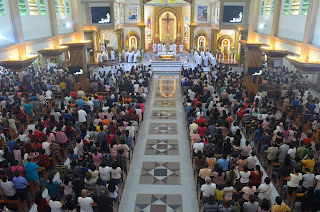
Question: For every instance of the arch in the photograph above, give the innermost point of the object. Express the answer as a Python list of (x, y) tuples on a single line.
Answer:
[(160, 13), (130, 35), (201, 34), (224, 37)]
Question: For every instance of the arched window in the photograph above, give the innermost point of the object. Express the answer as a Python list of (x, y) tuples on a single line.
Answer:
[(42, 7), (22, 7), (286, 7), (262, 7), (305, 7), (33, 7), (295, 7), (62, 9), (68, 8), (1, 8)]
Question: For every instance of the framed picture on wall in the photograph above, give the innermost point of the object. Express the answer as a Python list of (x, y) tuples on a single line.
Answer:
[(202, 13), (133, 13)]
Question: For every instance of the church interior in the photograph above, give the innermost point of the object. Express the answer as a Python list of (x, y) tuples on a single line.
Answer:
[(160, 105)]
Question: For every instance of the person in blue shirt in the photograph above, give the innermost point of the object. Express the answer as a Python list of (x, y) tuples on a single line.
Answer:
[(295, 102), (312, 107), (224, 162), (80, 102), (20, 183), (73, 156), (11, 144), (32, 171)]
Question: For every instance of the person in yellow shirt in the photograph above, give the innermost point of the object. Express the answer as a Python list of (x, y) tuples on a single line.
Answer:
[(219, 194), (100, 127), (280, 206), (63, 86), (308, 162)]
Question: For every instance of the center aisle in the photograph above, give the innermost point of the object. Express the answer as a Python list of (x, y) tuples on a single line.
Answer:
[(161, 176)]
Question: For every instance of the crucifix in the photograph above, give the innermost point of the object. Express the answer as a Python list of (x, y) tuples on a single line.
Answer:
[(168, 21)]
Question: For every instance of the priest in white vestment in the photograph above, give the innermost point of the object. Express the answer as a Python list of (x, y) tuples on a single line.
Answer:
[(138, 53), (112, 54), (171, 48), (198, 60), (159, 47), (174, 46), (181, 48), (126, 55), (202, 54), (205, 61), (214, 61), (154, 48), (164, 48), (135, 57), (130, 58), (99, 57), (195, 54), (105, 56)]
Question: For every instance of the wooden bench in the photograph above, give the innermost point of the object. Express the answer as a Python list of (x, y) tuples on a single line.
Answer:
[(11, 204)]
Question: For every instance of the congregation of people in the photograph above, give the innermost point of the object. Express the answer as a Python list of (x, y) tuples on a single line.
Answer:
[(76, 145), (231, 130)]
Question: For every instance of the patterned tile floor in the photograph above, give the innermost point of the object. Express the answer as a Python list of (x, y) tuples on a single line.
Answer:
[(163, 114), (161, 156), (160, 173), (158, 203), (162, 147)]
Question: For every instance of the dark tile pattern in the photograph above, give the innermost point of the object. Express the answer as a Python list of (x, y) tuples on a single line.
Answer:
[(158, 203), (162, 147)]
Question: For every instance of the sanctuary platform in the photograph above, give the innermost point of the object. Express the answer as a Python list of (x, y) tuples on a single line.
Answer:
[(168, 59)]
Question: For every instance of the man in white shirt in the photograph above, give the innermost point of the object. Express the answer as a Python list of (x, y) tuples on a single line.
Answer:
[(198, 147), (82, 115), (81, 94), (99, 57), (174, 46), (49, 97), (55, 205), (159, 47), (8, 187), (181, 48), (193, 127), (207, 189), (85, 202), (46, 147), (164, 48), (112, 54), (265, 189), (154, 48)]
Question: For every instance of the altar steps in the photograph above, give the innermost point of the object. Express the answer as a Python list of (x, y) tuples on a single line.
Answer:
[(169, 64)]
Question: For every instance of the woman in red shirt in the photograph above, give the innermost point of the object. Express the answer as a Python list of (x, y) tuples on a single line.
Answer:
[(202, 129), (256, 176)]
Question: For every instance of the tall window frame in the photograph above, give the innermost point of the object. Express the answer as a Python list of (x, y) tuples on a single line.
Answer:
[(33, 7), (2, 8)]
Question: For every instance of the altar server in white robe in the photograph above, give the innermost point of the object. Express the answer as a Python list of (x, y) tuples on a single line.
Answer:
[(205, 61), (195, 54), (214, 61), (171, 47), (159, 47), (164, 48), (130, 58), (135, 57), (99, 57), (181, 48), (112, 54), (174, 46), (138, 53), (154, 48), (198, 59), (202, 54), (105, 56), (126, 55)]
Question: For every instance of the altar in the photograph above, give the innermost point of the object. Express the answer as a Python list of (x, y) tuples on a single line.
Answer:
[(167, 56)]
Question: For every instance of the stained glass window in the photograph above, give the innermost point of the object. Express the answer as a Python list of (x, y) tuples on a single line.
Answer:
[(272, 7), (286, 7), (56, 7), (1, 8), (42, 7), (268, 7), (305, 7), (33, 7), (295, 7), (62, 9), (68, 8), (22, 7), (262, 7)]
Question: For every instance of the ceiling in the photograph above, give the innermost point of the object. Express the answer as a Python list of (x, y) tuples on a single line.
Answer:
[(169, 1)]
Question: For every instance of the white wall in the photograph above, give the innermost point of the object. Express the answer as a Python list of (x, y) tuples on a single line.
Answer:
[(111, 36), (6, 33), (65, 22), (116, 15), (314, 55), (84, 14), (263, 40), (36, 47), (67, 39), (316, 35), (285, 46), (291, 26), (264, 22), (36, 26), (12, 54)]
